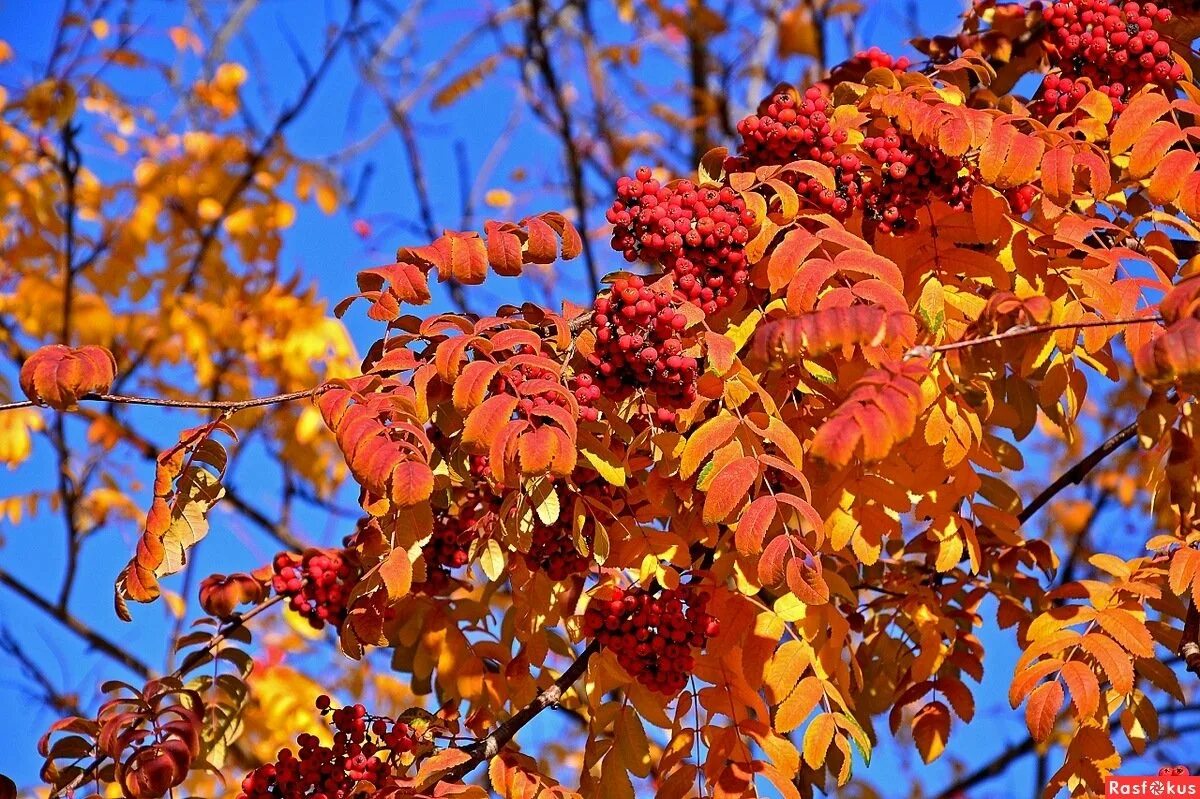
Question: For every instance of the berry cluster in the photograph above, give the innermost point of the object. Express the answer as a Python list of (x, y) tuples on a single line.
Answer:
[(453, 533), (364, 750), (317, 584), (638, 345), (510, 381), (1113, 45), (910, 174), (1021, 197), (554, 552), (856, 68), (789, 128), (653, 636), (696, 233)]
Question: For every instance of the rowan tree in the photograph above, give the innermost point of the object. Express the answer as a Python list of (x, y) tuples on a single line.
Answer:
[(735, 517)]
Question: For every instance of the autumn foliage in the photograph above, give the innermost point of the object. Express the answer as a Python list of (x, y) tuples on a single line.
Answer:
[(741, 514)]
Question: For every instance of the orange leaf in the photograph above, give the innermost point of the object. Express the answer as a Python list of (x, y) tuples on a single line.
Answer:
[(537, 449), (1113, 660), (931, 730), (1152, 147), (798, 705), (1142, 112), (1184, 564), (412, 483), (1125, 628), (729, 489), (1170, 176), (1025, 679), (881, 411), (58, 376), (1084, 687), (473, 383), (781, 342), (721, 352), (806, 582), (396, 572), (704, 440), (1042, 710), (1058, 176), (787, 256), (485, 421)]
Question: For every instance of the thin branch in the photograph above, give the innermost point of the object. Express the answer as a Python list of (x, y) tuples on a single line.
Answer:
[(1075, 475), (538, 53), (260, 153), (488, 747), (1020, 331), (228, 406), (95, 639)]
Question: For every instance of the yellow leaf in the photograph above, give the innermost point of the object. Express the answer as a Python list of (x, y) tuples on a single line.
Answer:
[(493, 559), (327, 198), (498, 198), (632, 743), (817, 739)]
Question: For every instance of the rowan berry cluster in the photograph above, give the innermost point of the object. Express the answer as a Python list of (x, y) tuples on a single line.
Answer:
[(1113, 46), (855, 69), (454, 530), (638, 345), (510, 381), (553, 551), (1021, 197), (696, 233), (364, 750), (317, 584), (910, 174), (789, 128), (653, 636)]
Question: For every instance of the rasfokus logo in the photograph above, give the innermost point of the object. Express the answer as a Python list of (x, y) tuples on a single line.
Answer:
[(1170, 781)]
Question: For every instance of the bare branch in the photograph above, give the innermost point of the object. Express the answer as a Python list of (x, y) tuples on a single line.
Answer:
[(96, 640), (538, 53)]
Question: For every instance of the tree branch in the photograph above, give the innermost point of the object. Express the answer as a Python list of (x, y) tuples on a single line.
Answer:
[(488, 747), (1075, 475), (95, 639)]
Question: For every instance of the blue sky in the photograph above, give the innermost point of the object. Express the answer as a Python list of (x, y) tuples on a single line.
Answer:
[(326, 249)]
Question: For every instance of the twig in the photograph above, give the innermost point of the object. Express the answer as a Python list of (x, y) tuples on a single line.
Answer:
[(51, 696), (538, 54), (97, 641), (259, 154), (228, 406), (1030, 330), (488, 747)]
